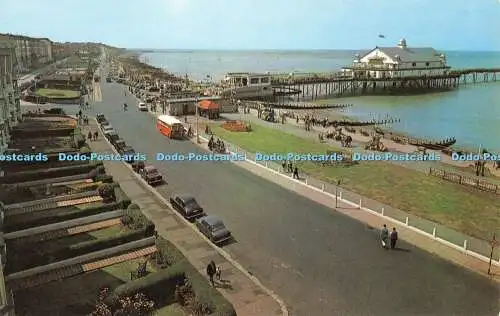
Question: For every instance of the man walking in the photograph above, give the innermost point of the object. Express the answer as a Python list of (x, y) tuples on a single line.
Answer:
[(296, 173), (394, 238), (211, 270), (384, 236)]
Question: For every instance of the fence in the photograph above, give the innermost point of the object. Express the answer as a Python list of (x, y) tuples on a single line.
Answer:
[(472, 246), (464, 180)]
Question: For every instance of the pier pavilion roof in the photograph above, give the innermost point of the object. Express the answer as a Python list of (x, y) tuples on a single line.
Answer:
[(409, 54)]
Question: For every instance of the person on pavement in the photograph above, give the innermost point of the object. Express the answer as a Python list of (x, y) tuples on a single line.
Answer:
[(384, 236), (211, 270), (394, 238)]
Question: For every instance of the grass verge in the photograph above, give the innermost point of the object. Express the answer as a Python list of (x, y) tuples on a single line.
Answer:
[(465, 209), (57, 93)]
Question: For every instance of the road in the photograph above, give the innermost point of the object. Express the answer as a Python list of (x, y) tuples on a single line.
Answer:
[(319, 261)]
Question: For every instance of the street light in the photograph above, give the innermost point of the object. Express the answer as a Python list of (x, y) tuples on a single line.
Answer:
[(197, 121), (336, 192)]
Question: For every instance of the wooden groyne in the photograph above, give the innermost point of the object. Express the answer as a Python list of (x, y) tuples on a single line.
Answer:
[(298, 106), (313, 86)]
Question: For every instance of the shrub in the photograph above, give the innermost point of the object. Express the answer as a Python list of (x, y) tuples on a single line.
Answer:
[(121, 197), (135, 219), (107, 192), (168, 253), (85, 150), (57, 111), (136, 305)]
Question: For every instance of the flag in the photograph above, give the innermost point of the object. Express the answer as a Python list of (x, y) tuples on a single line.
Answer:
[(381, 36)]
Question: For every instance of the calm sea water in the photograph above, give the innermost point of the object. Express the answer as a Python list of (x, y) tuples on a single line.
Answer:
[(471, 114)]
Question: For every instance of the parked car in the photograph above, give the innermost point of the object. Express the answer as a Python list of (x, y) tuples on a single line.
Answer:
[(104, 123), (127, 151), (138, 166), (151, 175), (111, 135), (108, 79), (119, 144), (142, 106), (107, 128), (100, 118), (187, 206), (214, 229)]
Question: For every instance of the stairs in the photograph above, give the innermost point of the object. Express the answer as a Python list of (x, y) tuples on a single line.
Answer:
[(118, 259)]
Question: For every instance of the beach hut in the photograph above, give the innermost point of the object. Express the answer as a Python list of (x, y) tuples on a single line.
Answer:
[(209, 109)]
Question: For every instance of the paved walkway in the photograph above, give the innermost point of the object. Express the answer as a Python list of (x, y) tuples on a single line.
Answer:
[(248, 298)]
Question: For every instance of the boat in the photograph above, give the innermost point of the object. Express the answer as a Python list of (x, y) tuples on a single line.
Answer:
[(439, 145)]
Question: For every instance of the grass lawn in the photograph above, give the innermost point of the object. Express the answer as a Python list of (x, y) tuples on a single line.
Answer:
[(57, 93), (470, 211), (121, 271)]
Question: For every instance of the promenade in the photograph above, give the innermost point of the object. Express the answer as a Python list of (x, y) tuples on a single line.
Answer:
[(319, 261)]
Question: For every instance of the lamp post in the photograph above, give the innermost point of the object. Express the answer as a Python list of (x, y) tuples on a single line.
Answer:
[(336, 192), (197, 122)]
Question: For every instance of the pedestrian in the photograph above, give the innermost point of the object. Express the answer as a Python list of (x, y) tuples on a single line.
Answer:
[(96, 134), (384, 236), (284, 165), (394, 238), (290, 167), (296, 173), (218, 273), (90, 136), (211, 270)]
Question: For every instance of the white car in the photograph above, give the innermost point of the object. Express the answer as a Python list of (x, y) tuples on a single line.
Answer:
[(142, 106)]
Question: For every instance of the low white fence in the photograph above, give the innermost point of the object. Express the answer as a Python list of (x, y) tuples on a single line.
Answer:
[(471, 246)]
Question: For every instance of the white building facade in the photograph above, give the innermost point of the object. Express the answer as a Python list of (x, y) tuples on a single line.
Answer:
[(10, 108), (398, 62)]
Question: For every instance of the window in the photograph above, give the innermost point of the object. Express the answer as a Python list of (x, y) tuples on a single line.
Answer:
[(414, 64), (264, 80), (254, 81), (427, 64)]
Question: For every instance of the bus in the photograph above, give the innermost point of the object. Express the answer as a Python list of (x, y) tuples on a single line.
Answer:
[(170, 126)]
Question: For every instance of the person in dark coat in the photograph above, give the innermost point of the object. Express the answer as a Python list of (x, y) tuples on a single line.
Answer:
[(211, 270), (394, 238), (296, 173), (384, 236)]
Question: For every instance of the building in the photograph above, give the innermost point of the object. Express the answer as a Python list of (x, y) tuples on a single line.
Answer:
[(10, 108), (398, 62), (30, 52), (248, 86)]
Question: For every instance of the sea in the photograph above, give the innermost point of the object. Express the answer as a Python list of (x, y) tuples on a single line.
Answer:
[(471, 114)]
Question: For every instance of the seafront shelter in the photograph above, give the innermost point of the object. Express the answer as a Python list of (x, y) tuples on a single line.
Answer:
[(209, 109)]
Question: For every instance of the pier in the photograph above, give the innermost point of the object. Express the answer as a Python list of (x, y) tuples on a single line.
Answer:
[(313, 86)]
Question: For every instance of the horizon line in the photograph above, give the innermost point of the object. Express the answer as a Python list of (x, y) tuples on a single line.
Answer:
[(292, 49)]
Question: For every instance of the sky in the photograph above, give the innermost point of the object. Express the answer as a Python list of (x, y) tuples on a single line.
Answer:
[(259, 24)]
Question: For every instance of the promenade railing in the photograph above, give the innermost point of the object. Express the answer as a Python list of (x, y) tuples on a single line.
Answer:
[(472, 246)]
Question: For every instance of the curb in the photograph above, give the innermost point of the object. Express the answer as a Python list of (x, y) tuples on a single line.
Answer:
[(223, 253)]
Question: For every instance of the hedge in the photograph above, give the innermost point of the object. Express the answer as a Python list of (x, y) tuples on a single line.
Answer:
[(121, 197), (60, 216), (158, 286), (42, 174), (85, 247)]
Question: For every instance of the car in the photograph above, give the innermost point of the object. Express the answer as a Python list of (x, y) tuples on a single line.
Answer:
[(119, 144), (142, 106), (107, 128), (128, 151), (151, 175), (101, 118), (111, 135), (108, 79), (214, 229), (187, 206)]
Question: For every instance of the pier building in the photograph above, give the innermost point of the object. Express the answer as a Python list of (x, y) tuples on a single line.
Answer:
[(248, 86), (398, 62)]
